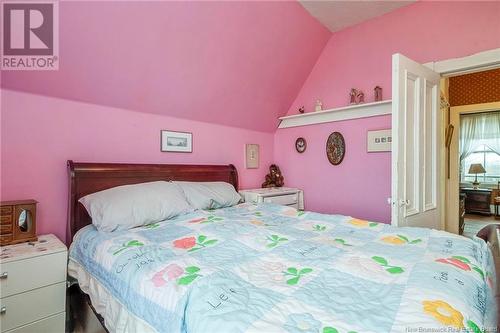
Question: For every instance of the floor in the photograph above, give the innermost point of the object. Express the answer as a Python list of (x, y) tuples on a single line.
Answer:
[(81, 319), (475, 222)]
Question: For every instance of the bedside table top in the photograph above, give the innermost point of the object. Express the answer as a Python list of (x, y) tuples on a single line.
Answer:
[(272, 190), (46, 244)]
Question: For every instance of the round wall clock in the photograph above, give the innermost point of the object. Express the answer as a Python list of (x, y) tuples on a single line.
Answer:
[(300, 145), (335, 148)]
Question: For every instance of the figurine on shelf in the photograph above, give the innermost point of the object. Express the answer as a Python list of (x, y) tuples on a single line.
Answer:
[(360, 97), (274, 178), (377, 91), (302, 109), (356, 96), (319, 105), (352, 95)]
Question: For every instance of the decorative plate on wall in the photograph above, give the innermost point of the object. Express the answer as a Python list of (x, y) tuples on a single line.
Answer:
[(335, 148), (300, 145)]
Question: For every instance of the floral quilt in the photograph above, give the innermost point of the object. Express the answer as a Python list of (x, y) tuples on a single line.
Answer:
[(269, 268)]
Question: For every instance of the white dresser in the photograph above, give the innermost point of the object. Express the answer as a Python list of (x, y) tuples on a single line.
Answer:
[(33, 286), (287, 196)]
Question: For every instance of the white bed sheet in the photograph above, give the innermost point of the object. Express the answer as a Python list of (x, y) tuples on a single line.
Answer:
[(116, 317)]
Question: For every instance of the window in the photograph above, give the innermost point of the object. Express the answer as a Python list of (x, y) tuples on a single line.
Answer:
[(490, 161), (480, 144)]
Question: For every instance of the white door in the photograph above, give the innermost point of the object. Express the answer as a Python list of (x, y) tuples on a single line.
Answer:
[(416, 145)]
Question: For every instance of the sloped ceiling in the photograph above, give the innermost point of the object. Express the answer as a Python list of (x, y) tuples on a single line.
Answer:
[(337, 15), (234, 63)]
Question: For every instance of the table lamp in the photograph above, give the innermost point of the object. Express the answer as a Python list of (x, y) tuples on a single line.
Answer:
[(475, 169)]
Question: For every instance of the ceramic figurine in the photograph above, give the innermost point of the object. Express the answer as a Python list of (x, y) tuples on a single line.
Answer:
[(356, 96), (352, 95), (377, 93), (360, 98), (319, 105)]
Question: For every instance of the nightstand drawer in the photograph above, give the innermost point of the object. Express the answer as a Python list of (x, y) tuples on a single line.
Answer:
[(288, 199), (27, 274), (52, 324), (28, 307)]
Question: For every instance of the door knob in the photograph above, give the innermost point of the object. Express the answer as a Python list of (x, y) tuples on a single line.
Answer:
[(403, 202)]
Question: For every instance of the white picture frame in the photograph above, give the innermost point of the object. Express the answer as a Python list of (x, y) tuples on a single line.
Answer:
[(252, 157), (176, 142), (379, 141)]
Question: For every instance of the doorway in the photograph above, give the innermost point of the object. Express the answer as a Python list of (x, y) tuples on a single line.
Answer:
[(473, 150)]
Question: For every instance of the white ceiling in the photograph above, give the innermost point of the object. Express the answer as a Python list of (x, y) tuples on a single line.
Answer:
[(337, 15)]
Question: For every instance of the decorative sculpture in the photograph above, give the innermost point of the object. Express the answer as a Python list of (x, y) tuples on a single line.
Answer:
[(377, 91), (356, 96), (319, 105), (274, 178)]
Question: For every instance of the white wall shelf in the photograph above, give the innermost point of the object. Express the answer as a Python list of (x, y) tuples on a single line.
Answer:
[(357, 111)]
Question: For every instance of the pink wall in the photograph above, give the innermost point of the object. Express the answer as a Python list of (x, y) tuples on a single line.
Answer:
[(236, 63), (360, 57), (217, 64), (38, 135)]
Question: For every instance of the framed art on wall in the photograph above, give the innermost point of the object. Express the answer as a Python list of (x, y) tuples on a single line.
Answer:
[(379, 141), (252, 156), (176, 142)]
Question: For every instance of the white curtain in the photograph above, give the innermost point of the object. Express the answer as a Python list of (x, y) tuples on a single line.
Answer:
[(479, 129), (491, 131), (468, 130)]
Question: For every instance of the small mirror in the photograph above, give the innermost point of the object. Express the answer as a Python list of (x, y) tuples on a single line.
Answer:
[(24, 220)]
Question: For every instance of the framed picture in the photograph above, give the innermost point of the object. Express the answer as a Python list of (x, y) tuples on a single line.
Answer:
[(252, 156), (378, 141), (176, 142)]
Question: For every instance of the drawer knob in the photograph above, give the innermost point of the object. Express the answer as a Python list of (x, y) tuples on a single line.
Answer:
[(3, 309), (4, 275)]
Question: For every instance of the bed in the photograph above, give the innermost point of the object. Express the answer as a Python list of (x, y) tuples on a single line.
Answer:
[(270, 268)]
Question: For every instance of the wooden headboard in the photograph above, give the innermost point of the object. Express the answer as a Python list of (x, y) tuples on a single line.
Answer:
[(86, 178)]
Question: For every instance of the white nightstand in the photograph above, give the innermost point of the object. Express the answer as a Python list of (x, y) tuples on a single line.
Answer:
[(287, 196), (33, 286)]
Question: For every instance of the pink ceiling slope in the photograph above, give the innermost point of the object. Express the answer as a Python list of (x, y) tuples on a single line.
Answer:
[(234, 63)]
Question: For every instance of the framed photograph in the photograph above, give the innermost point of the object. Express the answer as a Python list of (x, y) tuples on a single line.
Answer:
[(379, 141), (252, 156), (176, 142)]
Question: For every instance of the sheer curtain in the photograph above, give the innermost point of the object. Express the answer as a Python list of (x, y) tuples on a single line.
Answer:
[(491, 131), (479, 129), (468, 130)]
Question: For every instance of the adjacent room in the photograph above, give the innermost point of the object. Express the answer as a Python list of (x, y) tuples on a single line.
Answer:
[(249, 166)]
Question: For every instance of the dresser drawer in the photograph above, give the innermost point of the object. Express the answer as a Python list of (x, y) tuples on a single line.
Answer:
[(6, 219), (6, 210), (31, 273), (5, 239), (288, 199), (5, 229), (28, 307), (52, 324)]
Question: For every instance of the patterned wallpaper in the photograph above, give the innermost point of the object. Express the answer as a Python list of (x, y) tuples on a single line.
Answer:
[(482, 87)]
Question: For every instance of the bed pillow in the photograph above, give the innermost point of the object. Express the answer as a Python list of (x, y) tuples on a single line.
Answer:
[(129, 206), (209, 195)]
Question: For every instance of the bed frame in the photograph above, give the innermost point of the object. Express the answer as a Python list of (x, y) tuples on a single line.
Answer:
[(86, 178)]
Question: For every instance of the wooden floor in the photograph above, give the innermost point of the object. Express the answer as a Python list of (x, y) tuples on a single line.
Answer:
[(475, 222)]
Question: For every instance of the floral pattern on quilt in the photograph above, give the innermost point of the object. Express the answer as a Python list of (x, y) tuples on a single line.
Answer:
[(270, 268)]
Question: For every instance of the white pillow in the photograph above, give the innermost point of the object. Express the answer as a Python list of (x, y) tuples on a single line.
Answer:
[(129, 206), (209, 195)]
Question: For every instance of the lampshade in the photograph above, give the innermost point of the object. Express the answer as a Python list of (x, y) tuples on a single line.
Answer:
[(476, 168)]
